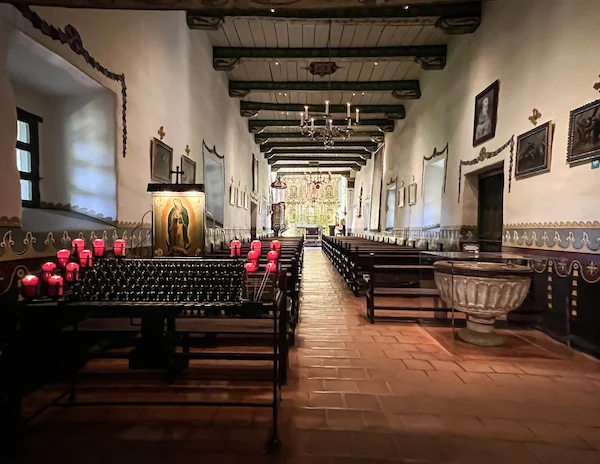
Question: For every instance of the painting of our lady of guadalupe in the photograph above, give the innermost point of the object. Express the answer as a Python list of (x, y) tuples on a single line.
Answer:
[(178, 224)]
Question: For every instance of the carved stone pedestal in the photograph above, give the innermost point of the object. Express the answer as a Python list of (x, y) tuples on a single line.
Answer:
[(483, 291)]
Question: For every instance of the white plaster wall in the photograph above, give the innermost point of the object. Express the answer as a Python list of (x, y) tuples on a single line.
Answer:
[(542, 53), (170, 83), (10, 206)]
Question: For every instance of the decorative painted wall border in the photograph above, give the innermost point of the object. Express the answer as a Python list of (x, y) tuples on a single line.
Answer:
[(435, 154), (484, 155), (17, 244), (5, 221), (577, 237), (72, 38), (77, 209), (587, 269)]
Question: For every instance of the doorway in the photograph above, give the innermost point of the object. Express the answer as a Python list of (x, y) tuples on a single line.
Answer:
[(253, 219), (490, 210)]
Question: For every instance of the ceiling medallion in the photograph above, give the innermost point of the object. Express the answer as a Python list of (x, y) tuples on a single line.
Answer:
[(322, 68)]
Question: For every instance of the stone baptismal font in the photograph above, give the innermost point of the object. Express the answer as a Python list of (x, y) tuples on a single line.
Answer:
[(483, 291)]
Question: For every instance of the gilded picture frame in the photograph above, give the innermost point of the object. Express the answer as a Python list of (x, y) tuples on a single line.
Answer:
[(401, 197), (534, 152), (486, 114), (188, 169), (412, 194), (584, 133), (161, 161)]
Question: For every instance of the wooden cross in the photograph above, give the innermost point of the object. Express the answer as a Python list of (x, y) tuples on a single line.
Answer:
[(177, 173), (187, 150), (535, 116), (161, 132), (597, 85)]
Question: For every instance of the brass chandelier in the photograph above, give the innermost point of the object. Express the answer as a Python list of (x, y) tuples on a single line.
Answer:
[(324, 130)]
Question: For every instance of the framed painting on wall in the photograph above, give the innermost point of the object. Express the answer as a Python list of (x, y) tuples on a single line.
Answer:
[(246, 205), (188, 170), (412, 194), (232, 193), (534, 151), (401, 196), (486, 114), (584, 133), (161, 161), (239, 197)]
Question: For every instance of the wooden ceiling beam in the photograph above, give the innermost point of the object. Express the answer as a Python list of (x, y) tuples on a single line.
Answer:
[(256, 126), (430, 57), (252, 109), (316, 165), (460, 17), (345, 159), (319, 151), (406, 89), (266, 137), (366, 146)]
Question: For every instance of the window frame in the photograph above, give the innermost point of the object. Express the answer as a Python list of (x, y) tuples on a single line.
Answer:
[(33, 147)]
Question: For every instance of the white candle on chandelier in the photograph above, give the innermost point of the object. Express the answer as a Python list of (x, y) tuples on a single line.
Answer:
[(326, 106), (306, 111), (312, 123), (348, 109), (301, 118), (357, 115), (331, 124), (349, 123)]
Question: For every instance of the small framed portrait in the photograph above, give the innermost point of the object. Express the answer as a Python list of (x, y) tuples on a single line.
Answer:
[(188, 169), (161, 162), (232, 193), (401, 196), (239, 197), (584, 133), (534, 151), (412, 194), (486, 114), (246, 199)]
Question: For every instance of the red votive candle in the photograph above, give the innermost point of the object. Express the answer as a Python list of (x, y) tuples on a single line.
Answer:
[(98, 245), (85, 258), (62, 256), (72, 272), (236, 248), (256, 245), (275, 245), (55, 286), (253, 256), (250, 267), (77, 244), (271, 267), (119, 247), (47, 270), (29, 286), (272, 255)]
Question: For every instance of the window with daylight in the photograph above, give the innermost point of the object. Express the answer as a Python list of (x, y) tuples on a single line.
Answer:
[(28, 157)]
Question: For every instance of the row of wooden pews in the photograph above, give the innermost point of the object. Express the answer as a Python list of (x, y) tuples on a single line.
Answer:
[(291, 260), (394, 275)]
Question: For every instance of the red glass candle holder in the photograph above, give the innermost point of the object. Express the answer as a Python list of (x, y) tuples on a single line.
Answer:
[(47, 270), (272, 255), (85, 258), (236, 248), (250, 267), (77, 245), (55, 286), (72, 272), (271, 267), (98, 246), (29, 286), (62, 256), (256, 245), (253, 255), (119, 248), (275, 245)]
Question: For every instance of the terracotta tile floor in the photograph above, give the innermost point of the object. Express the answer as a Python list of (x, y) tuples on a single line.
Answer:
[(359, 393)]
